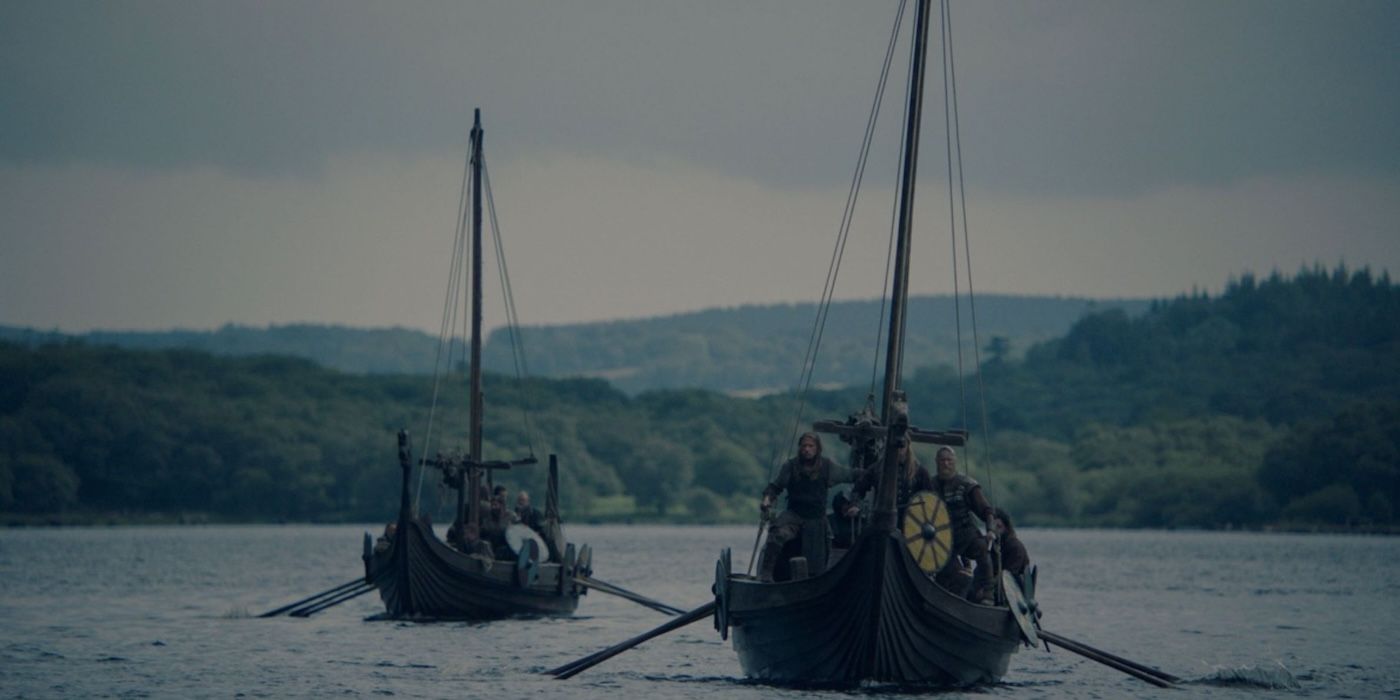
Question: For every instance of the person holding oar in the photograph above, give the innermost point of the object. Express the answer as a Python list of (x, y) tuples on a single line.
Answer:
[(806, 479)]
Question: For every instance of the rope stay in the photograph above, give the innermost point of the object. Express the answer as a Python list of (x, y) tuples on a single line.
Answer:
[(809, 360), (876, 353), (446, 331), (958, 205), (513, 330)]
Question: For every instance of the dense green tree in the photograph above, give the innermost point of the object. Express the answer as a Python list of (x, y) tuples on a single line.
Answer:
[(40, 483), (1340, 468), (725, 468), (1272, 402)]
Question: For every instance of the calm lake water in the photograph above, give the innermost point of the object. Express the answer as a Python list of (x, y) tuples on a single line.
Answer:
[(170, 612)]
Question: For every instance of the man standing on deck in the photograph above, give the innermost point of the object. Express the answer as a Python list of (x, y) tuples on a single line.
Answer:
[(494, 523), (964, 496), (806, 479), (527, 514)]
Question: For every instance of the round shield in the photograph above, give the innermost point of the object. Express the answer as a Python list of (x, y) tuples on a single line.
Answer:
[(518, 535), (721, 591), (928, 532), (566, 571), (527, 564), (583, 566), (1021, 608)]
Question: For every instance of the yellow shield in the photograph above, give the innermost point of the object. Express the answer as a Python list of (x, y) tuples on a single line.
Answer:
[(928, 533)]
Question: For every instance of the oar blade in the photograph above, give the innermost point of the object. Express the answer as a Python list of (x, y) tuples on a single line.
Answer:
[(310, 610), (619, 591), (1132, 668), (578, 666), (329, 592)]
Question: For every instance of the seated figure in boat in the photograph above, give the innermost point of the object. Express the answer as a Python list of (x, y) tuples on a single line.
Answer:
[(964, 497), (454, 537), (474, 545), (956, 577), (386, 540), (1014, 557), (494, 523), (842, 520), (806, 478)]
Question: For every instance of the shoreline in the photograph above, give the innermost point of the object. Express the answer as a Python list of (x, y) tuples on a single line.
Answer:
[(15, 521)]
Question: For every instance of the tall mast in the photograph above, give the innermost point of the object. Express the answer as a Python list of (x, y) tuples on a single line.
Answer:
[(899, 292), (474, 457), (476, 290)]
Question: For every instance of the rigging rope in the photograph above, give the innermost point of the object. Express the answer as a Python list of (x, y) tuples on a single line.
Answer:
[(952, 221), (517, 339), (449, 320), (889, 246), (809, 360), (951, 89)]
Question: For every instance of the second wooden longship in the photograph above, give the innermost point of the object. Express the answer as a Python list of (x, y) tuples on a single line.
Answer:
[(422, 576), (419, 576), (876, 611)]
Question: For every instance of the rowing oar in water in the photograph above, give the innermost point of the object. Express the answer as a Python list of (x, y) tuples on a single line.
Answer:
[(573, 668), (312, 600), (619, 591), (310, 610), (1158, 678)]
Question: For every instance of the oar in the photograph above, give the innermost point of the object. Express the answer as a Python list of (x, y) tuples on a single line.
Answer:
[(1066, 643), (619, 591), (331, 591), (310, 610), (574, 668), (758, 537), (1057, 639), (1132, 668)]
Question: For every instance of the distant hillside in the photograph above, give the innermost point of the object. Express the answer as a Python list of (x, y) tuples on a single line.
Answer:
[(747, 349), (1273, 404), (760, 348), (357, 350)]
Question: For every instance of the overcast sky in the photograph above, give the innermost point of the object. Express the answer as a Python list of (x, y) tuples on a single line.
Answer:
[(194, 163)]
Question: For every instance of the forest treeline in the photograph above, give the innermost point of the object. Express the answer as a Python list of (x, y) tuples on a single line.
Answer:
[(752, 349), (1273, 403)]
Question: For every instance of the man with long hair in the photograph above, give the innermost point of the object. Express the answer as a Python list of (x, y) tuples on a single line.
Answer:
[(806, 479)]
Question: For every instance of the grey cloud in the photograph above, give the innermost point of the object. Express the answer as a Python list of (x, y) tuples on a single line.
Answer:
[(1079, 97)]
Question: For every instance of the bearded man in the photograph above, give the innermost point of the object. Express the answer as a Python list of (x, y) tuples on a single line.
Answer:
[(806, 478), (963, 496)]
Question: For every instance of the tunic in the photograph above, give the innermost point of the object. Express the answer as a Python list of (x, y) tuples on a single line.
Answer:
[(1013, 555), (806, 486)]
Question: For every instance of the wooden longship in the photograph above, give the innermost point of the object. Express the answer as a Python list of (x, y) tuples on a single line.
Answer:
[(422, 577), (874, 614), (428, 579)]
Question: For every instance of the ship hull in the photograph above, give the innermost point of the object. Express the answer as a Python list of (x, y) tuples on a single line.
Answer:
[(420, 577), (874, 616)]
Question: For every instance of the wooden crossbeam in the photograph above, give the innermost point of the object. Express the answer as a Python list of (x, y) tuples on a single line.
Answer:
[(954, 438), (442, 462)]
